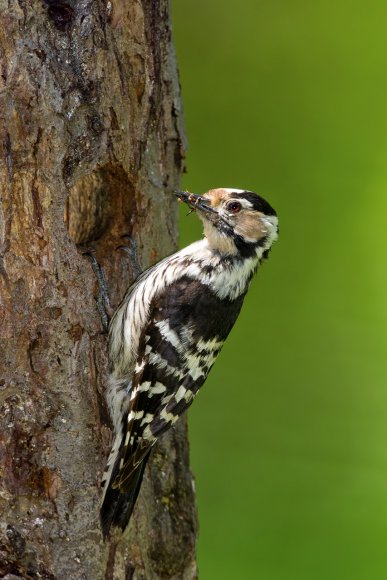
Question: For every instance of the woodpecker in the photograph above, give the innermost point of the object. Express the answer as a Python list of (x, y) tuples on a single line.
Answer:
[(169, 328)]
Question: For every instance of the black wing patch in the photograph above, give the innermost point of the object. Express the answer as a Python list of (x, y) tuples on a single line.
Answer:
[(187, 327)]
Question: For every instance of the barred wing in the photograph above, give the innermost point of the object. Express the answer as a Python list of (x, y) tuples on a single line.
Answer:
[(187, 327)]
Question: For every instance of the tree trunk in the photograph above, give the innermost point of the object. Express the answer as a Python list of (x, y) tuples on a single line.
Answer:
[(92, 145)]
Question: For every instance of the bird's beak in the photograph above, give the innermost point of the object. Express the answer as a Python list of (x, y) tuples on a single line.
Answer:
[(195, 201)]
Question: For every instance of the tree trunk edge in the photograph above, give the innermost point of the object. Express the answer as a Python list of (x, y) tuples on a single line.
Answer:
[(91, 138)]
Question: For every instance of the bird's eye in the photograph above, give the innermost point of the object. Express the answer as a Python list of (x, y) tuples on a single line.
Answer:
[(234, 207)]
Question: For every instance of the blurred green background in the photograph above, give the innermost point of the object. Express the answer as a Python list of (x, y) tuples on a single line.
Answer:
[(289, 435)]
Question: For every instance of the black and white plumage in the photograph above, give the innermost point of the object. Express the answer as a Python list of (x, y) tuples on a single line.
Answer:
[(169, 329)]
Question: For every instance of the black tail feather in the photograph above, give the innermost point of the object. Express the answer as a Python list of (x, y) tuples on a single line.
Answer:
[(117, 506)]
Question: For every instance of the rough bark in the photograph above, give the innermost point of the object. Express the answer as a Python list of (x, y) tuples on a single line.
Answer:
[(91, 147)]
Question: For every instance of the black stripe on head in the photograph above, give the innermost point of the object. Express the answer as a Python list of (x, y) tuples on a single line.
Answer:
[(257, 202), (247, 249)]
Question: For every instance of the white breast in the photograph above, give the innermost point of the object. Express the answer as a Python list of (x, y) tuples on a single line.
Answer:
[(228, 279)]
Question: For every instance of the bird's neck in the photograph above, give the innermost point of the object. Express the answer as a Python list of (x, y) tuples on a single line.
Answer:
[(218, 242), (227, 274)]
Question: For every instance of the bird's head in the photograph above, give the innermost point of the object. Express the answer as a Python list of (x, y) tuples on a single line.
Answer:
[(235, 221)]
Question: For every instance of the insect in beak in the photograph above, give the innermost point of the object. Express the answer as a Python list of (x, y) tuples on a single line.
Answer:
[(194, 201)]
